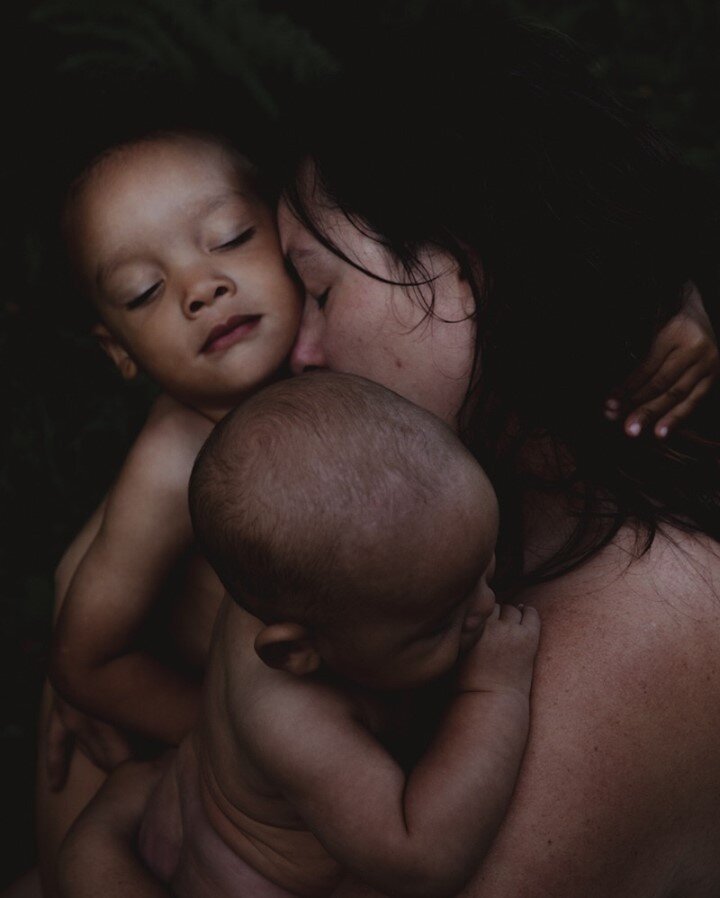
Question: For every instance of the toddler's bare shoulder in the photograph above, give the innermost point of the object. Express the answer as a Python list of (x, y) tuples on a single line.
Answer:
[(172, 425), (165, 450)]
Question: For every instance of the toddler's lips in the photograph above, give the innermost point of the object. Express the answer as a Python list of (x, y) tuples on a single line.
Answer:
[(233, 330)]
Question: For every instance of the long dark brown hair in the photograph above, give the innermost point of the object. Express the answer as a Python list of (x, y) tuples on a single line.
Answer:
[(578, 230)]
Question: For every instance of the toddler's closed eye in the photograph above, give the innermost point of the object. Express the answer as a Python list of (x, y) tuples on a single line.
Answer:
[(239, 240)]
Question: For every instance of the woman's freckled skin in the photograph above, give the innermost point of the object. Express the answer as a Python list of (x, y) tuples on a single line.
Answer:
[(379, 330)]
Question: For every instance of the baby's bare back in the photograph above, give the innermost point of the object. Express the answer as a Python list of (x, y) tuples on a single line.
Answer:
[(215, 825)]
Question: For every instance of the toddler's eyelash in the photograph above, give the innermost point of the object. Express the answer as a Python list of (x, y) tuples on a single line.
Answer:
[(144, 297), (239, 240)]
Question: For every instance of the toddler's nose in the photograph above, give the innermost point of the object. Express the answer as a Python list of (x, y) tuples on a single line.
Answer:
[(205, 293)]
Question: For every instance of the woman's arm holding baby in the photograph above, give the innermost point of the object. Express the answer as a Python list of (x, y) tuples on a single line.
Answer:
[(419, 834), (96, 662)]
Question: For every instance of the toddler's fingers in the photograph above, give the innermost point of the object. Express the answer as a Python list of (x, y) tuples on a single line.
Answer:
[(662, 382), (59, 747), (676, 396), (683, 409), (647, 369)]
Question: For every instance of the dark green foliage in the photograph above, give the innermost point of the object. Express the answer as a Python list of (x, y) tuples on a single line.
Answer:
[(70, 419)]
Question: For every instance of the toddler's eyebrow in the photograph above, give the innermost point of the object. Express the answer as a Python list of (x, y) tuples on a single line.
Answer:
[(220, 200), (203, 207)]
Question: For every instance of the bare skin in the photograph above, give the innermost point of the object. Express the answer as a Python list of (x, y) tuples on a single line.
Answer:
[(180, 257), (62, 793), (617, 793), (244, 795), (310, 351), (617, 790)]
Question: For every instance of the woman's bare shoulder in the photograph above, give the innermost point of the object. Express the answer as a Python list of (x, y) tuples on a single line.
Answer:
[(617, 794)]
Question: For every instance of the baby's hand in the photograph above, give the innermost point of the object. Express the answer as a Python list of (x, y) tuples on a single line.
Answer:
[(502, 659)]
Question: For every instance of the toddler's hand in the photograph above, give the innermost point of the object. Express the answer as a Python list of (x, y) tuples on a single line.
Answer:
[(68, 729), (502, 659), (682, 365)]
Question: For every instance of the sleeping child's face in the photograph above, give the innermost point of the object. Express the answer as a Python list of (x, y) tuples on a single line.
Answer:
[(180, 257)]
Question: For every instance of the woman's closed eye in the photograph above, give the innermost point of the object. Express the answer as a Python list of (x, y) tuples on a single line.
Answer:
[(144, 297), (239, 240)]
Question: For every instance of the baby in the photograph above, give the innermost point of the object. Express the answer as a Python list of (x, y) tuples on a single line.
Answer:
[(356, 536), (176, 248)]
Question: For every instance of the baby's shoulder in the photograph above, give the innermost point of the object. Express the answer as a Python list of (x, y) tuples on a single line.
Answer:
[(265, 706)]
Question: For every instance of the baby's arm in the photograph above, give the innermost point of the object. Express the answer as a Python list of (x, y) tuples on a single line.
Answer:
[(421, 834), (144, 533)]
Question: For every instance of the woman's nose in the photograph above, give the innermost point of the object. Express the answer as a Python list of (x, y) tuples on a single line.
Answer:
[(308, 351), (204, 292)]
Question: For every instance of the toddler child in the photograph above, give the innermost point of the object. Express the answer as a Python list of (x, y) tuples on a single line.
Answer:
[(178, 251), (356, 536)]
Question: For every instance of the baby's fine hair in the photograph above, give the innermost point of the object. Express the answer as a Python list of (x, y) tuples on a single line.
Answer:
[(302, 495)]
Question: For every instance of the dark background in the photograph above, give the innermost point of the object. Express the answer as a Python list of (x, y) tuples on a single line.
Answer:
[(69, 417)]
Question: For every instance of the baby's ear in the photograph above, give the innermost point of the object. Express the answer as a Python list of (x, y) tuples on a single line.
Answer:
[(120, 357), (288, 647)]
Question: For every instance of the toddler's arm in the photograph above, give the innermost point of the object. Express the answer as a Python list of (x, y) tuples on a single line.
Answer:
[(145, 530), (99, 855), (420, 835)]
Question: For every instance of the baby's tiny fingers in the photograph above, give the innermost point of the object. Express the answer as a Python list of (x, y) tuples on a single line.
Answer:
[(511, 613), (529, 614), (531, 622)]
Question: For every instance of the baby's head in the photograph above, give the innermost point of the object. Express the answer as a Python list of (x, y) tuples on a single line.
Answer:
[(354, 524), (172, 241)]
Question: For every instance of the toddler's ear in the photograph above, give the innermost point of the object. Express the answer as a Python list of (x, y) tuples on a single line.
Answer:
[(120, 357), (288, 647)]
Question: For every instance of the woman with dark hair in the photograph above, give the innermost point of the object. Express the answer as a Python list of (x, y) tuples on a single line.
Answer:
[(478, 227)]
